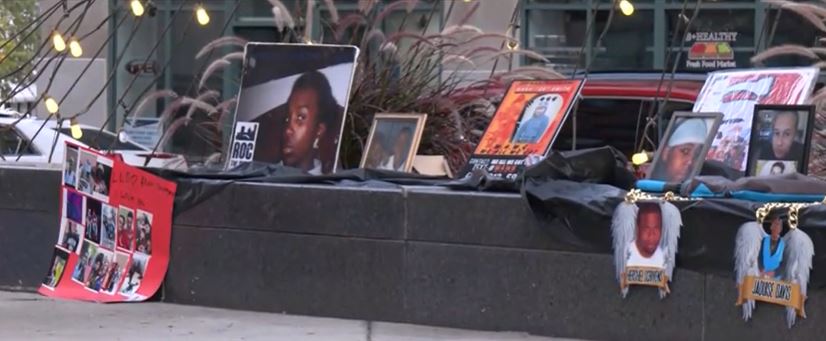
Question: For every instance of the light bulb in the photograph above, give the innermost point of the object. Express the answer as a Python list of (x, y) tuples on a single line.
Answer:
[(639, 158), (75, 49), (137, 8), (77, 133), (202, 15), (122, 137), (626, 7), (51, 105), (59, 43)]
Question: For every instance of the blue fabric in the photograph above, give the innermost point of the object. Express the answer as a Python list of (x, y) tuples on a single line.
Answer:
[(653, 186), (702, 191), (775, 197), (532, 129), (771, 261)]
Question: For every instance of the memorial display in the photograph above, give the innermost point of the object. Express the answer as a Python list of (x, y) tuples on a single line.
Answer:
[(645, 233), (686, 142), (735, 93), (393, 141), (527, 122), (780, 140), (292, 104), (115, 230), (773, 260)]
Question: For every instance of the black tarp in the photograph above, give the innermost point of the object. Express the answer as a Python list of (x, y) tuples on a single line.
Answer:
[(574, 193)]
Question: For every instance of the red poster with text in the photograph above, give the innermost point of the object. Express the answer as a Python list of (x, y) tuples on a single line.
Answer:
[(526, 123), (115, 230)]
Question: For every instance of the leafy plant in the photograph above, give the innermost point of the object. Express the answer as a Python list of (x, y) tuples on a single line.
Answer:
[(17, 49)]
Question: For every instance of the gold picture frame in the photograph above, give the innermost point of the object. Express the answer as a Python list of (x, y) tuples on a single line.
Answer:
[(380, 154)]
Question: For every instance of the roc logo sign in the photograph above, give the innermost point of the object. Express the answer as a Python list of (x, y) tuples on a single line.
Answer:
[(243, 144)]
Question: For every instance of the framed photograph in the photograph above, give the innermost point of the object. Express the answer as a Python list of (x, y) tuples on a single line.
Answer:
[(527, 122), (735, 93), (292, 105), (684, 146), (393, 141), (780, 139)]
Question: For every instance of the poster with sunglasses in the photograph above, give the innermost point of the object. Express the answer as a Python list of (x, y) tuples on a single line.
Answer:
[(780, 139), (295, 95)]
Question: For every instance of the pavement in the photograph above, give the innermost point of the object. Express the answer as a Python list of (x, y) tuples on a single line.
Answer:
[(27, 316)]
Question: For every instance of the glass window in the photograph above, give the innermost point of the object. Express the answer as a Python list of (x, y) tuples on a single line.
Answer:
[(559, 36), (12, 143), (789, 30), (614, 122), (101, 140), (602, 122), (628, 44), (187, 39)]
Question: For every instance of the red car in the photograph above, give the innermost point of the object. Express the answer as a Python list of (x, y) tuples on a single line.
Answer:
[(614, 107)]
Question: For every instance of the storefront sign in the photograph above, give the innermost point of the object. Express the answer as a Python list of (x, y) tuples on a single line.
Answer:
[(711, 50)]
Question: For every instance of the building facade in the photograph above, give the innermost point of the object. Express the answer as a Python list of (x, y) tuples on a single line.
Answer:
[(158, 50)]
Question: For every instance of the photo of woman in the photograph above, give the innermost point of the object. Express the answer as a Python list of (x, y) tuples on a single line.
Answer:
[(298, 98)]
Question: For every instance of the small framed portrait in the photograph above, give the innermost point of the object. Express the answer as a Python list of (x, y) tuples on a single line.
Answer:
[(393, 141), (684, 146), (780, 139)]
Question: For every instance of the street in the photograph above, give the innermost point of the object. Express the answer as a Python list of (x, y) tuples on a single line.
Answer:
[(26, 316)]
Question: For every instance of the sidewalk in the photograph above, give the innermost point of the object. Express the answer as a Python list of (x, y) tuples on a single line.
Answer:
[(26, 316)]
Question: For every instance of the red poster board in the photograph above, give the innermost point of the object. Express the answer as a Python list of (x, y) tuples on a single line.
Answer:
[(526, 123), (115, 230)]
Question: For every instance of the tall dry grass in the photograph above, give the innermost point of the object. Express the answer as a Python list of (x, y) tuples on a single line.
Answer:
[(399, 70), (813, 14)]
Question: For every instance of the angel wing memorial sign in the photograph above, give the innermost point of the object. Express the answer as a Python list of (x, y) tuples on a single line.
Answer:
[(772, 263), (645, 234)]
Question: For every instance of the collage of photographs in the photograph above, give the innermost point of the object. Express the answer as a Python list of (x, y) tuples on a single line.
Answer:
[(112, 244)]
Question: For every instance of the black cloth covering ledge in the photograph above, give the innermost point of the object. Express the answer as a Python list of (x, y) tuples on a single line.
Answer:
[(574, 193)]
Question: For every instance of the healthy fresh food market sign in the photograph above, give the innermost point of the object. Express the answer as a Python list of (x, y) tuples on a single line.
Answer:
[(711, 50)]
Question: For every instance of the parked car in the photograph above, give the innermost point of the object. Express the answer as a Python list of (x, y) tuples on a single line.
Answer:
[(36, 149)]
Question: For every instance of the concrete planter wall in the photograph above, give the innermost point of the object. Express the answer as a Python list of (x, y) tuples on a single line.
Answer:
[(466, 260)]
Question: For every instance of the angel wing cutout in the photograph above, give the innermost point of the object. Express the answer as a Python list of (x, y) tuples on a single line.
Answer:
[(798, 258), (746, 252), (623, 225), (672, 221)]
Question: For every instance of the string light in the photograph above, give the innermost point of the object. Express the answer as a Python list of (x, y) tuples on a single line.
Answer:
[(59, 43), (202, 15), (626, 7), (639, 158), (75, 49), (137, 8), (77, 133), (51, 105)]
